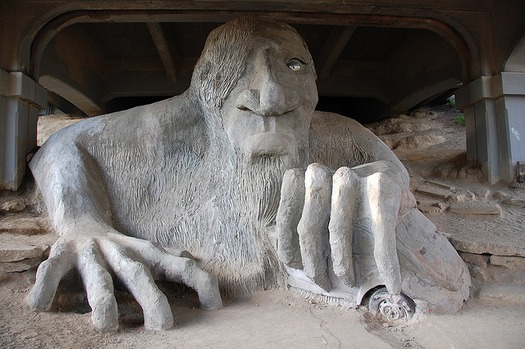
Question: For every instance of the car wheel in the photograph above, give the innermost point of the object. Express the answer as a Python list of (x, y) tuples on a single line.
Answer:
[(381, 303)]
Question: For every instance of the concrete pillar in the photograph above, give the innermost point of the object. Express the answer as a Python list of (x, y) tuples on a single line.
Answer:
[(494, 108), (21, 98)]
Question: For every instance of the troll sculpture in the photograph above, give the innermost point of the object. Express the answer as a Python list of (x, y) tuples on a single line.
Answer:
[(243, 174)]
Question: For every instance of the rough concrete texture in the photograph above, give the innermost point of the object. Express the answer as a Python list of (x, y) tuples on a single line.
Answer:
[(288, 217), (202, 172), (344, 195), (313, 241)]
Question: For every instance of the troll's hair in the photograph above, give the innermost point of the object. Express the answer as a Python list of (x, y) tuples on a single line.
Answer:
[(223, 59)]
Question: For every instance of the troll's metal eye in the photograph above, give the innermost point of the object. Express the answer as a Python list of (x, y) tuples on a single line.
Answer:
[(296, 65)]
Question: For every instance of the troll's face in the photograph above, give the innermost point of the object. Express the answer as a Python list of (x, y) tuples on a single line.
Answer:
[(268, 113), (260, 77)]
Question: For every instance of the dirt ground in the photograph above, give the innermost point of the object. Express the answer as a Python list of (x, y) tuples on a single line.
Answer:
[(432, 146)]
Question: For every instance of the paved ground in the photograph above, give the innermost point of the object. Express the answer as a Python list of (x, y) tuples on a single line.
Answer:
[(270, 319)]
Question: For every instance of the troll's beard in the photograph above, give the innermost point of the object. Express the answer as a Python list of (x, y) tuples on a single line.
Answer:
[(238, 199), (244, 257)]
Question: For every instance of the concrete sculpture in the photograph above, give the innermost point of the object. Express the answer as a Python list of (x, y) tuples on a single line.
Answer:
[(242, 173)]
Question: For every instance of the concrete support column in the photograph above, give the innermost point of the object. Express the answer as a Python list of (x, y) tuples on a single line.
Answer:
[(21, 98), (494, 108)]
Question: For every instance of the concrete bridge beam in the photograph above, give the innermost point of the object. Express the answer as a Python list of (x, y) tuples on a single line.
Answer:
[(494, 108), (21, 99)]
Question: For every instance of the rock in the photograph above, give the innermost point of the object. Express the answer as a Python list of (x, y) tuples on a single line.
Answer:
[(13, 205), (20, 252), (475, 207), (4, 276), (478, 274), (17, 248), (516, 185), (442, 205), (434, 192), (441, 185), (409, 127), (502, 276), (433, 208), (429, 209), (487, 244), (462, 173), (420, 141), (513, 263), (398, 125), (508, 293), (482, 193), (514, 201), (498, 194), (421, 113), (462, 195), (15, 252), (476, 259), (23, 225), (23, 265), (389, 141), (49, 124)]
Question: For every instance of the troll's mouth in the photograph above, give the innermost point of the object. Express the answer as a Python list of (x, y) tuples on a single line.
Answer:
[(270, 144)]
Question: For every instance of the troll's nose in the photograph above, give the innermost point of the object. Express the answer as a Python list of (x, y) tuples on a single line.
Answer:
[(268, 97)]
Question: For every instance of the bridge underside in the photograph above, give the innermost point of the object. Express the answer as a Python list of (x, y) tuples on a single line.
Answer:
[(373, 59)]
